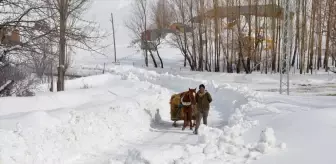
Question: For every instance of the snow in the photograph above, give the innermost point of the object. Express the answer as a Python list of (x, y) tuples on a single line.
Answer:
[(123, 116), (267, 140), (127, 109), (307, 131), (42, 129)]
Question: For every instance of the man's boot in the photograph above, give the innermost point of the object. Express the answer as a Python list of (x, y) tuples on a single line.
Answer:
[(195, 131)]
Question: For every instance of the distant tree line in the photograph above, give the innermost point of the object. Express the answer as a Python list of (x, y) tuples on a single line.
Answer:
[(237, 35)]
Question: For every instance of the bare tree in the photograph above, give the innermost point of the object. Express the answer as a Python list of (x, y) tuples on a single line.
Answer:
[(29, 32), (15, 22), (329, 24), (182, 37), (67, 20), (137, 24), (162, 19)]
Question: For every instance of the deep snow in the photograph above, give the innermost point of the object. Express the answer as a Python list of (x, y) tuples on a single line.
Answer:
[(62, 127), (123, 115), (120, 109)]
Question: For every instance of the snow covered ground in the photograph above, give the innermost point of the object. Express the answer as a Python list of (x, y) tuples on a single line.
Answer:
[(126, 111), (122, 116)]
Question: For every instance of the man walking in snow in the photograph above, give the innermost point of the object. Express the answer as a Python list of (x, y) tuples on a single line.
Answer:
[(203, 100)]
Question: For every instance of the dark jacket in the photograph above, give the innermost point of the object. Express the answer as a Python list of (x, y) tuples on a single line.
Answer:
[(203, 101)]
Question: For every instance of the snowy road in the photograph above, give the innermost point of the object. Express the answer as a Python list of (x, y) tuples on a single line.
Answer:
[(115, 120), (166, 144)]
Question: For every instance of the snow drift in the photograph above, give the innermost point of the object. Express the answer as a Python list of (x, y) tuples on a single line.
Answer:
[(120, 109), (231, 103), (61, 127)]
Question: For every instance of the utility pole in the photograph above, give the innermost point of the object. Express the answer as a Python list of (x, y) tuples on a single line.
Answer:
[(114, 43), (63, 19), (287, 37)]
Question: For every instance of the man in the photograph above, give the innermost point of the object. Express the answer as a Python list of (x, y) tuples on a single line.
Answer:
[(203, 100)]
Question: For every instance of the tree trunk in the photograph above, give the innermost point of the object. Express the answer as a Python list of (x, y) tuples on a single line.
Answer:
[(200, 58), (194, 54), (297, 32), (278, 45), (153, 58), (146, 57), (319, 30), (311, 40), (206, 47), (249, 55), (274, 36), (266, 34), (233, 55), (158, 54), (215, 3), (303, 30), (62, 43), (329, 23), (210, 48), (185, 36)]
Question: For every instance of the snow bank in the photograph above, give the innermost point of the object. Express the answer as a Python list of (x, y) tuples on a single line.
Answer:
[(228, 146), (222, 143), (62, 127), (226, 97), (115, 110)]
